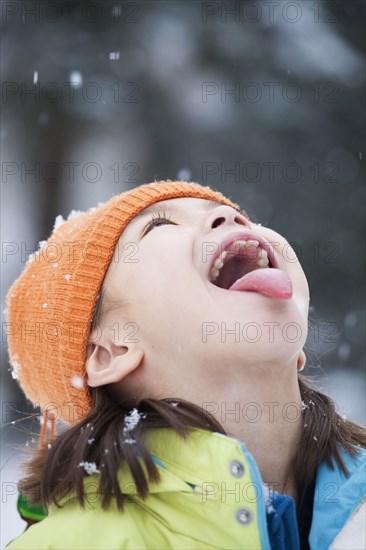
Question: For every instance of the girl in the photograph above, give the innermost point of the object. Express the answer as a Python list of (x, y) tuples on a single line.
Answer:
[(167, 330)]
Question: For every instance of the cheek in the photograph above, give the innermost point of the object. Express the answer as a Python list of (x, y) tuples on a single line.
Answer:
[(166, 259)]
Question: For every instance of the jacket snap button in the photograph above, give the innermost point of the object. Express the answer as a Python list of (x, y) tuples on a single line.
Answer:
[(236, 468), (244, 516)]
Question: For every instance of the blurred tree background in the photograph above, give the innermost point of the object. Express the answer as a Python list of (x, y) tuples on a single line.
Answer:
[(261, 100)]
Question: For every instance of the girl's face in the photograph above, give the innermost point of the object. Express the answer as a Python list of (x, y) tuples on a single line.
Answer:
[(180, 310)]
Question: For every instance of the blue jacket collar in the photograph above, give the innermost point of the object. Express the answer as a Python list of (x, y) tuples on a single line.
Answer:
[(336, 498)]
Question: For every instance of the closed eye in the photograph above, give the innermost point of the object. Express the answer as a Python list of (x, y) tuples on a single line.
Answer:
[(156, 221)]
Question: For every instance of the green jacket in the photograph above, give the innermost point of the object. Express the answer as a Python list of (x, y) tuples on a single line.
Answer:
[(210, 496)]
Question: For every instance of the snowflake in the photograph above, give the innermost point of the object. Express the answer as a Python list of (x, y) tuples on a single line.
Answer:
[(15, 368), (89, 467), (58, 222), (77, 382), (184, 174), (114, 56), (267, 496), (131, 420), (75, 214)]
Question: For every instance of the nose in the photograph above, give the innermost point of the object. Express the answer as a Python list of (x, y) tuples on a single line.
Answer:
[(223, 214)]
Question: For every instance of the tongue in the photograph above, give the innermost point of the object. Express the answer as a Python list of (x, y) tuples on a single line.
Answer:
[(270, 282)]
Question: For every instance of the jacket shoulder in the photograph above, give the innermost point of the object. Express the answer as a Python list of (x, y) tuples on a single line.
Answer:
[(96, 529)]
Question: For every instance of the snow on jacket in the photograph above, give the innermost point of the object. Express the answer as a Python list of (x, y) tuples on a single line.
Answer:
[(210, 496)]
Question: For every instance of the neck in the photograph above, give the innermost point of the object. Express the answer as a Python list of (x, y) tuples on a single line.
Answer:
[(265, 414)]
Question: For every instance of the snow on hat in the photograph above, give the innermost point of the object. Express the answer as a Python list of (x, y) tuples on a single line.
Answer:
[(51, 304)]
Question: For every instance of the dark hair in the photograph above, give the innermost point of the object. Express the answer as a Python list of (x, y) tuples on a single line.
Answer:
[(100, 438)]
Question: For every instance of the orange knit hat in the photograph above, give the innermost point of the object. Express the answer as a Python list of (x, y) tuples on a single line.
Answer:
[(51, 304)]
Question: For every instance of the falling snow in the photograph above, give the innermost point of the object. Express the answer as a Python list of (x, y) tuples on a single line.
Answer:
[(77, 382), (76, 78), (44, 305), (113, 56), (184, 174), (350, 319), (35, 77), (116, 11), (89, 467), (67, 276), (129, 441), (344, 351)]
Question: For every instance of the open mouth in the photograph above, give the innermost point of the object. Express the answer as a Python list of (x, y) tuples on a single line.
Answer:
[(247, 263), (238, 259)]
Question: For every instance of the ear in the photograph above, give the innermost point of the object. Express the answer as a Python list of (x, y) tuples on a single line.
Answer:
[(109, 362), (301, 361)]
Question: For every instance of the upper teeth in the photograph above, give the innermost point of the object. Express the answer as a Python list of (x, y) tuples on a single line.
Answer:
[(262, 257)]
